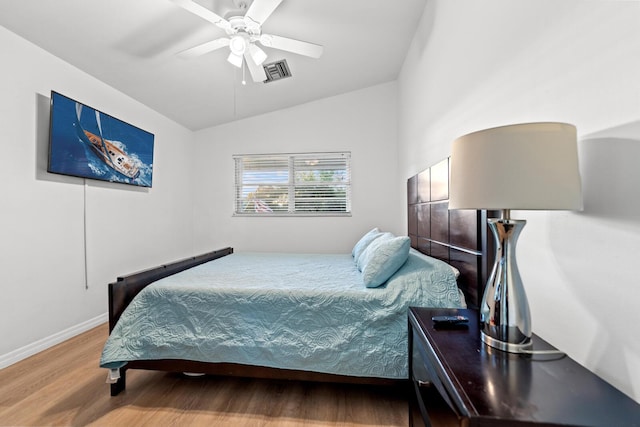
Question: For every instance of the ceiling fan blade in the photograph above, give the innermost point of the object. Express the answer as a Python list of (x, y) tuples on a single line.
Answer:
[(260, 10), (203, 12), (292, 45), (203, 48), (257, 71)]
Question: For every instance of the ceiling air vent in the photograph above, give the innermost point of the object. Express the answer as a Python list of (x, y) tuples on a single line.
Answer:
[(277, 70)]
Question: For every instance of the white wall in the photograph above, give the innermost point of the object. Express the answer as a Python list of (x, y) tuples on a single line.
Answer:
[(474, 65), (44, 299), (363, 122)]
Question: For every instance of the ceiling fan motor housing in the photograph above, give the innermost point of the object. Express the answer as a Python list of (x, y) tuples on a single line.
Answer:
[(242, 24)]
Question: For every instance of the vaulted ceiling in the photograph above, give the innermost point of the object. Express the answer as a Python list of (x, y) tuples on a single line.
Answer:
[(132, 45)]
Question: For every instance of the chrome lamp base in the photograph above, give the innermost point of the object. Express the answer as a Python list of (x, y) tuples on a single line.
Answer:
[(505, 321)]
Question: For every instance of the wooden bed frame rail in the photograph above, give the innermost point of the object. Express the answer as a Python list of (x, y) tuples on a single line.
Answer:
[(125, 288)]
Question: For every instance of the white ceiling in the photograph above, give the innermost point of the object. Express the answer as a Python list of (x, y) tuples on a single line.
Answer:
[(132, 44)]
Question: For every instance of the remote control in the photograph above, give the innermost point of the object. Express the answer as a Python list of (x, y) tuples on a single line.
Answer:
[(450, 320)]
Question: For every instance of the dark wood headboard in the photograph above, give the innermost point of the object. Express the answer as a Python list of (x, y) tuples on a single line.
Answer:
[(458, 237)]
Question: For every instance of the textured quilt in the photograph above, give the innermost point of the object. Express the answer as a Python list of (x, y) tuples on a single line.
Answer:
[(291, 311)]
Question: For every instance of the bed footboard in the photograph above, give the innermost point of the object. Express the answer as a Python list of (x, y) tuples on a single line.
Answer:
[(125, 288), (122, 291)]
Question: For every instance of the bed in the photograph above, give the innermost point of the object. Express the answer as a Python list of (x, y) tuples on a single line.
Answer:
[(317, 317)]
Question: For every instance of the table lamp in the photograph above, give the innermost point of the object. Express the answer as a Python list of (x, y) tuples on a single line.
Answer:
[(530, 166)]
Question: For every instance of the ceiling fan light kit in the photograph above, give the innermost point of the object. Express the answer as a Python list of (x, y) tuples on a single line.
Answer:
[(243, 32), (257, 54), (235, 59), (238, 44)]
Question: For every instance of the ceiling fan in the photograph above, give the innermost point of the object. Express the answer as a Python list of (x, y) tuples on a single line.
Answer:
[(242, 34)]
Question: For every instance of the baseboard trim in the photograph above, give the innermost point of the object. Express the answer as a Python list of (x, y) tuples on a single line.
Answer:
[(45, 343)]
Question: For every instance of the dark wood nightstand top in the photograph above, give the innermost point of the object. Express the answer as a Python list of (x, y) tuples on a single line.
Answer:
[(488, 385)]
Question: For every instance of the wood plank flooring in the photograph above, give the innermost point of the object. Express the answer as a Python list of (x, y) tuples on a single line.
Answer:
[(63, 386)]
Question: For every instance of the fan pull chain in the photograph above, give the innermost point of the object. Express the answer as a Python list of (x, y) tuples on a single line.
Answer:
[(234, 99), (244, 80)]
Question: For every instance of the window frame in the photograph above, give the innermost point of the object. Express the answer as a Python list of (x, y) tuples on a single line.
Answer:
[(291, 183)]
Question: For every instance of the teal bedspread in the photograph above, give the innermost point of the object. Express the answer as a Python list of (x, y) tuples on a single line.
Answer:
[(307, 312)]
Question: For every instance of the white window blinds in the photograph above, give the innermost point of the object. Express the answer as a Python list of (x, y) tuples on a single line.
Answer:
[(293, 184)]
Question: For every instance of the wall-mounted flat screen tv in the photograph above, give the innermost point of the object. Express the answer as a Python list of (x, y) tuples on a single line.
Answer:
[(88, 143)]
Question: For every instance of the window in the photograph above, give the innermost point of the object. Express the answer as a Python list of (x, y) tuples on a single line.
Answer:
[(313, 184)]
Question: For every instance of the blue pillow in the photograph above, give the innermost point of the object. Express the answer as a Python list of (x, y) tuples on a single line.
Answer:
[(363, 259), (364, 242), (382, 258)]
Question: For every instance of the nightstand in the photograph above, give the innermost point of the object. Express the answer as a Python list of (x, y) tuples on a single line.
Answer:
[(458, 380)]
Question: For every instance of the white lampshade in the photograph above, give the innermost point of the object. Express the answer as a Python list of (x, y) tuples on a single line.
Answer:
[(257, 54), (235, 59), (238, 44), (523, 167)]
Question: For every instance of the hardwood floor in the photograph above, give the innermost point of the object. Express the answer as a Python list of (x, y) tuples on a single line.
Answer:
[(63, 386)]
